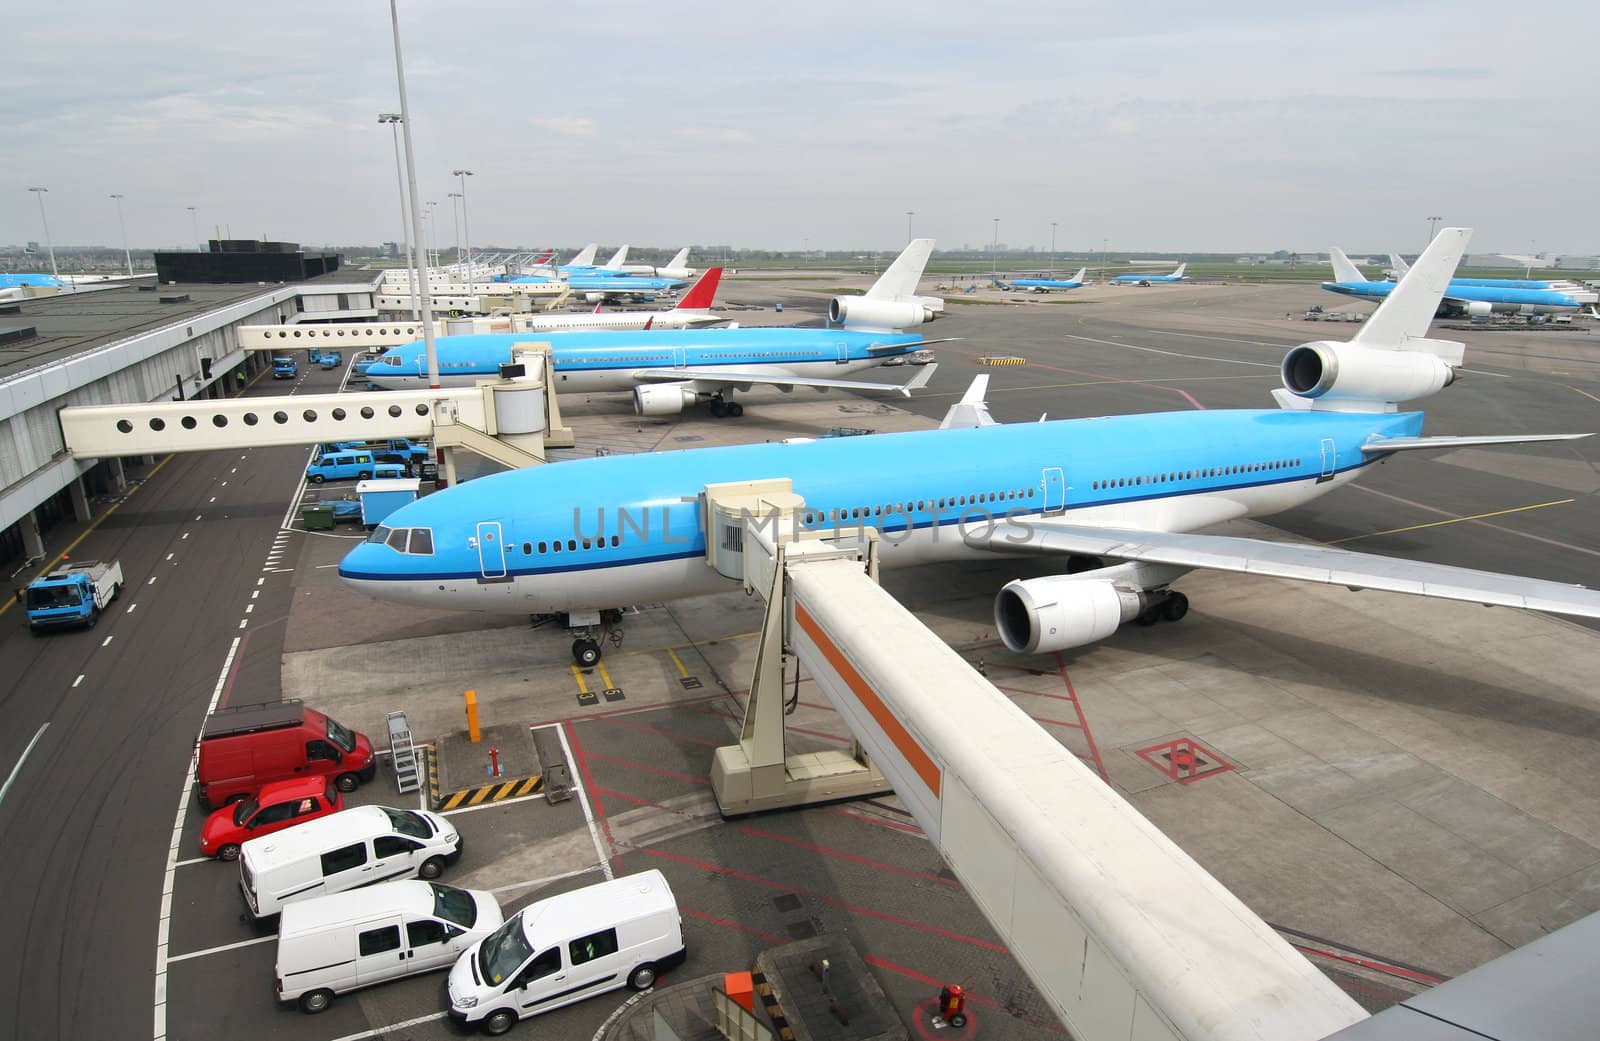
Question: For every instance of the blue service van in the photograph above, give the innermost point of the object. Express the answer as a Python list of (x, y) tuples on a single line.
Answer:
[(285, 368), (336, 466)]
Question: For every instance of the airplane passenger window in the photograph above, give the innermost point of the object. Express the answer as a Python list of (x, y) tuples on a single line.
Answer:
[(527, 549)]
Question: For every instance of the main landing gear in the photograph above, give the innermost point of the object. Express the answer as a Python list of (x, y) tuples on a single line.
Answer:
[(1169, 608), (722, 408)]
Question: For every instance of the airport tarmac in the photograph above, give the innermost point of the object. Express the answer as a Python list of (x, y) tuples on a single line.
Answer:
[(1403, 787)]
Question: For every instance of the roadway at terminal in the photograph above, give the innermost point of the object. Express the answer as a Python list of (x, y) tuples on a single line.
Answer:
[(1405, 780)]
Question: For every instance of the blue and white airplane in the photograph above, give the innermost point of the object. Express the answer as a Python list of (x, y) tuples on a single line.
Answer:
[(1457, 298), (1046, 285), (1150, 280), (1115, 499), (1398, 264), (668, 371)]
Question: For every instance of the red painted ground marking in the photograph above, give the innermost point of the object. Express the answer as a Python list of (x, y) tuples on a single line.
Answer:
[(714, 920), (1033, 693), (1094, 751), (1375, 966), (973, 998), (629, 710), (1185, 760), (1055, 722), (830, 900), (645, 727), (909, 829), (825, 851), (647, 769), (1095, 375), (233, 673), (588, 783), (818, 733)]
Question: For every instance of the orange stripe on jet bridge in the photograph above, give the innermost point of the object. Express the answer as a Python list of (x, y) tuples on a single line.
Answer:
[(901, 738)]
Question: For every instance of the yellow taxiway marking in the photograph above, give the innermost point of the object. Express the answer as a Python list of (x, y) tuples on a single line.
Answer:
[(604, 675), (1452, 520), (74, 543), (577, 675), (678, 662)]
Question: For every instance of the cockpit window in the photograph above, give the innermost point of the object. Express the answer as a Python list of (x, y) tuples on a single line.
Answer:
[(418, 541), (379, 535), (397, 539), (392, 360), (421, 542)]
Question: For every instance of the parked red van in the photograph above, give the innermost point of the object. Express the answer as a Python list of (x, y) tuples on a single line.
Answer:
[(243, 748)]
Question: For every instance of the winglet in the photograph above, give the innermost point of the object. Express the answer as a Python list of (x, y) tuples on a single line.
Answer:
[(700, 295), (919, 379), (1343, 270), (1407, 311), (972, 410), (900, 279)]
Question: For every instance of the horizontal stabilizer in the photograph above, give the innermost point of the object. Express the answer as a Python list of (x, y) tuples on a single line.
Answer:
[(1411, 444), (1408, 310), (1305, 562), (1343, 270), (972, 410), (899, 282)]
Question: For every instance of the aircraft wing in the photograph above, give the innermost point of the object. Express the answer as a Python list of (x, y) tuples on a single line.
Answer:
[(1405, 444), (727, 375), (1303, 561)]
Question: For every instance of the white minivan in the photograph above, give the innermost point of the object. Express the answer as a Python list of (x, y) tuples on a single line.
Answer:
[(330, 944), (344, 850), (567, 948)]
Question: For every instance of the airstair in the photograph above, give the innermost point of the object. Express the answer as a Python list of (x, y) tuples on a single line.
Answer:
[(403, 753)]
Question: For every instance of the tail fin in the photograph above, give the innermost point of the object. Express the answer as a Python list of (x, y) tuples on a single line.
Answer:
[(585, 256), (1179, 273), (679, 259), (1343, 270), (700, 295), (1079, 276), (618, 258), (1408, 309), (901, 278), (1400, 266), (598, 306)]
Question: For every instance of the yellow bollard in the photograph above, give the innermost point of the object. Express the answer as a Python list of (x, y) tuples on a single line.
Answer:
[(472, 716)]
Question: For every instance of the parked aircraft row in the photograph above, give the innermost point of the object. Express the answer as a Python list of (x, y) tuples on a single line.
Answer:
[(1117, 500), (1461, 296), (1400, 267)]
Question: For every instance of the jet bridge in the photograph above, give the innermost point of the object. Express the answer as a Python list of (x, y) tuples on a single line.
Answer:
[(1121, 931), (511, 421)]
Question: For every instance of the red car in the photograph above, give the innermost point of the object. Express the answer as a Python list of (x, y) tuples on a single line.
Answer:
[(277, 807)]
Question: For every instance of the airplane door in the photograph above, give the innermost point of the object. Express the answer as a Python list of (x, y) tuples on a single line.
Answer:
[(491, 552), (680, 357), (1055, 490), (843, 354), (1330, 460)]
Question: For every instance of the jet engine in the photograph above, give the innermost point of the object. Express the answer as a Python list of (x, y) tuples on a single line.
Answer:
[(662, 399), (1040, 615), (594, 298), (1333, 371), (884, 314), (1479, 309)]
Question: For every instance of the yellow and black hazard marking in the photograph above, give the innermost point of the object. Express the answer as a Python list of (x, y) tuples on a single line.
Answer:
[(433, 775), (514, 788), (1001, 359), (769, 1001)]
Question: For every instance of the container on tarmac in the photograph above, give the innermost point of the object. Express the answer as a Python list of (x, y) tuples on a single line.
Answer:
[(379, 498), (73, 595), (244, 748)]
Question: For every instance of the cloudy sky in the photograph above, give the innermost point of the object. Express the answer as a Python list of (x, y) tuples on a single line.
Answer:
[(1145, 125)]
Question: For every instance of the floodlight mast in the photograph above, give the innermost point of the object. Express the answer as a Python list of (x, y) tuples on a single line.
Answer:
[(424, 297), (393, 119)]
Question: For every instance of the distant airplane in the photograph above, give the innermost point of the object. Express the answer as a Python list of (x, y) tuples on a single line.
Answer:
[(1046, 285), (692, 309), (1472, 301), (677, 267), (1400, 267), (1150, 280), (1113, 499), (673, 370)]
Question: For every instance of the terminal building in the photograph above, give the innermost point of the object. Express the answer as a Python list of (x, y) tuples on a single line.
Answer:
[(139, 340)]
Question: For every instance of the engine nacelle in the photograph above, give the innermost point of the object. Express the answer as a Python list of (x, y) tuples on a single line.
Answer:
[(594, 298), (662, 399), (1333, 371), (1040, 615), (879, 314), (1479, 309)]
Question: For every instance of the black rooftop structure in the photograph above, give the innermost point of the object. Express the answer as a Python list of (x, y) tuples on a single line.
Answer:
[(245, 260)]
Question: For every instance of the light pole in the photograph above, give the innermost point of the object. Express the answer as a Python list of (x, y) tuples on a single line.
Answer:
[(1052, 248), (424, 297), (393, 119), (466, 226), (1433, 222), (433, 230), (46, 222), (909, 215), (194, 227), (994, 248), (455, 222), (123, 225)]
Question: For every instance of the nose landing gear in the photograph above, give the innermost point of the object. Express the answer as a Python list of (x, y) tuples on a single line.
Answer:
[(722, 408), (591, 627)]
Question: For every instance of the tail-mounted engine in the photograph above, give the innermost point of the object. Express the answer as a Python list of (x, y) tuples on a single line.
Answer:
[(1328, 371), (879, 314)]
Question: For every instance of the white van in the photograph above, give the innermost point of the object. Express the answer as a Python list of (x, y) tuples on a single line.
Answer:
[(330, 944), (343, 850), (567, 948)]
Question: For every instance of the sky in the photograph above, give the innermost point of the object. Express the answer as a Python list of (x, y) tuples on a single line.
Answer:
[(1131, 125)]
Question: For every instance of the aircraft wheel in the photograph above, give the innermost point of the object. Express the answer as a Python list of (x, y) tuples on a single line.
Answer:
[(735, 410), (719, 408), (1175, 607), (1149, 616), (585, 651)]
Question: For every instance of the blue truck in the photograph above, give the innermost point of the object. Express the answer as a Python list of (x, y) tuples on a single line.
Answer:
[(285, 367), (72, 596)]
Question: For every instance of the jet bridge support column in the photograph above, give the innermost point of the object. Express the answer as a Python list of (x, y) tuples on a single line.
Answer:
[(756, 774)]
